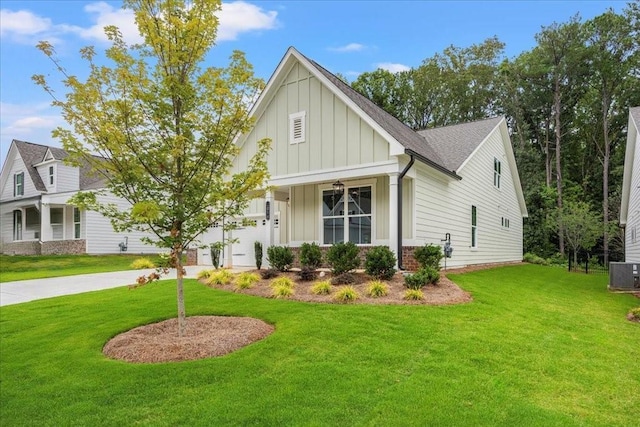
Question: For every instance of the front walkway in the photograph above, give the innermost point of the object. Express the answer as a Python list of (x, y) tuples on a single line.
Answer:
[(29, 290)]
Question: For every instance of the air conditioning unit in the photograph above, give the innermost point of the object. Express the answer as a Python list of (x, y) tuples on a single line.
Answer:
[(624, 276)]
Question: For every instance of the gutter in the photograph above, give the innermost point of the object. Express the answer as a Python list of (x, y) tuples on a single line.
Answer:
[(402, 174)]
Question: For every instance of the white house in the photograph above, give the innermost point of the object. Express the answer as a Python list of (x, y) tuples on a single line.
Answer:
[(630, 208), (342, 169), (35, 185)]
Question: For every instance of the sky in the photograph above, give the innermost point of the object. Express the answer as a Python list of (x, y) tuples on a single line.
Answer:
[(346, 37)]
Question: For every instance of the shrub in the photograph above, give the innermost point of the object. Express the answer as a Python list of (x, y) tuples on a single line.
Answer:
[(280, 257), (428, 256), (377, 289), (269, 273), (343, 279), (141, 263), (413, 294), (282, 291), (282, 281), (346, 294), (246, 280), (310, 255), (557, 259), (257, 249), (307, 274), (421, 278), (343, 257), (380, 262), (204, 274), (216, 249), (220, 277), (321, 288), (534, 259), (634, 314)]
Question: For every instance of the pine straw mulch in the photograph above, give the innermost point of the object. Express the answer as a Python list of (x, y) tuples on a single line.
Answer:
[(211, 336)]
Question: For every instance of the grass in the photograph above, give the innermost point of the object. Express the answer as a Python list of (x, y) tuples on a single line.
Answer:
[(537, 347), (20, 267)]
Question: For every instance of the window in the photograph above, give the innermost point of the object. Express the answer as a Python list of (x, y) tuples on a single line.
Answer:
[(357, 215), (17, 225), (505, 222), (297, 128), (497, 169), (57, 215), (18, 184), (50, 175), (474, 227), (76, 223)]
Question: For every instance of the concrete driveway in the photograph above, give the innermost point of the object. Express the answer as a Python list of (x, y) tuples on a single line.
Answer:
[(29, 290)]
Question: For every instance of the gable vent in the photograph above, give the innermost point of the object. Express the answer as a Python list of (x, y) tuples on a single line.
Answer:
[(297, 128)]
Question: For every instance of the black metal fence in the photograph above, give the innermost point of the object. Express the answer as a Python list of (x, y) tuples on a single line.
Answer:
[(589, 263)]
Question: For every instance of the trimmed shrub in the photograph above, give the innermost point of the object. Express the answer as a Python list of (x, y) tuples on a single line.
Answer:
[(220, 277), (307, 274), (310, 255), (343, 257), (282, 281), (257, 249), (377, 289), (280, 257), (421, 278), (428, 256), (343, 279), (413, 295), (141, 263), (246, 280), (346, 294), (321, 288), (269, 273), (282, 291), (380, 262)]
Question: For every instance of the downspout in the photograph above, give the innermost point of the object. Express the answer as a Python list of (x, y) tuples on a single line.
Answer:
[(402, 174)]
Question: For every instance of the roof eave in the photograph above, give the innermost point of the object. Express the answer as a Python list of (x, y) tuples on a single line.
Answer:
[(431, 163)]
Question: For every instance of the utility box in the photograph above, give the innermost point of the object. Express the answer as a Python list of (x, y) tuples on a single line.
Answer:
[(624, 276)]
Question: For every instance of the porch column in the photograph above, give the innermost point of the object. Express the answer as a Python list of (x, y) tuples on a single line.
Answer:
[(46, 234), (393, 214), (269, 210)]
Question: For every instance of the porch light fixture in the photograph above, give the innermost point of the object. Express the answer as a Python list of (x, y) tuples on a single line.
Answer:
[(338, 187)]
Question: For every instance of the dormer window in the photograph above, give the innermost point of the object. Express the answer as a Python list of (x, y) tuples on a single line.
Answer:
[(18, 184), (297, 127), (51, 175)]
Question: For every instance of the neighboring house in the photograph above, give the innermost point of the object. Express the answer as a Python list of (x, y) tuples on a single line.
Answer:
[(35, 218), (342, 169), (630, 207)]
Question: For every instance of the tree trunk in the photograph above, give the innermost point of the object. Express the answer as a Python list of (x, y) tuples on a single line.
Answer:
[(605, 180), (182, 318), (558, 137)]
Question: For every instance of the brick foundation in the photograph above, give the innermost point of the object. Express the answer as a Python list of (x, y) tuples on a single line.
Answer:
[(192, 257), (64, 247)]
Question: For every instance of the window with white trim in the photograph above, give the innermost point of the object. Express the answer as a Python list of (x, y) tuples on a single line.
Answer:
[(497, 171), (350, 223), (76, 223), (474, 227), (57, 217), (18, 184), (51, 175), (17, 225), (505, 222), (297, 127)]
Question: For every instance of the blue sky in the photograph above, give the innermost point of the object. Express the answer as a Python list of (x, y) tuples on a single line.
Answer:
[(348, 37)]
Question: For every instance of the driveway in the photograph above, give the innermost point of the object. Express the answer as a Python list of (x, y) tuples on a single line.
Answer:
[(29, 290)]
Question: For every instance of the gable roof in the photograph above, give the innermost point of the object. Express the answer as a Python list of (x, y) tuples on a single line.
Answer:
[(456, 143), (633, 130)]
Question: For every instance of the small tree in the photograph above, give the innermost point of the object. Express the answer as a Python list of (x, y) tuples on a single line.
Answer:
[(580, 225), (164, 128), (257, 248)]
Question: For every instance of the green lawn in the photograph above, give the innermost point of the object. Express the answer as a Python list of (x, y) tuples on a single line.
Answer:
[(20, 267), (537, 347)]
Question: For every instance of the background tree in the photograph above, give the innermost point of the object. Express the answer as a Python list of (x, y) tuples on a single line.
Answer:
[(580, 225), (164, 127)]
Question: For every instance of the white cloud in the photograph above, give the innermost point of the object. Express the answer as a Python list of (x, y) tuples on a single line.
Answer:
[(391, 67), (103, 14), (240, 17), (351, 47), (22, 23)]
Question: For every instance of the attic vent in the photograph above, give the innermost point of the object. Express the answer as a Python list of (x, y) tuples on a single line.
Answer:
[(297, 129)]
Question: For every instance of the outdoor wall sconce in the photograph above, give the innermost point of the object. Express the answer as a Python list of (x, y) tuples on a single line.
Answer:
[(338, 187)]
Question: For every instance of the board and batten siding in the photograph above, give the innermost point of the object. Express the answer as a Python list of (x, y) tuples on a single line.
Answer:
[(335, 135), (444, 206), (102, 239), (632, 230)]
